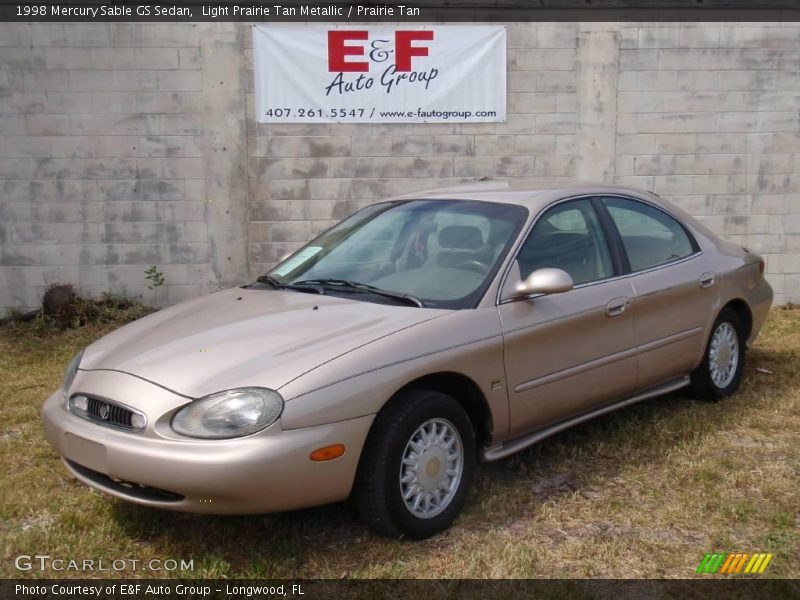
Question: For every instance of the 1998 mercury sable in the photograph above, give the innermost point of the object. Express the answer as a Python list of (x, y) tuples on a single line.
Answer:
[(420, 334)]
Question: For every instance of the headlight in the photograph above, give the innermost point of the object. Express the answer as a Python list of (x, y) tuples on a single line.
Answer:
[(229, 414), (72, 370)]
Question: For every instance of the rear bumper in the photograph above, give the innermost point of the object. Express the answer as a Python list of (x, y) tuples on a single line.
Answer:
[(266, 472), (760, 303)]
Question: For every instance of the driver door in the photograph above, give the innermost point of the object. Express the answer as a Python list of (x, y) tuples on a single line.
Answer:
[(570, 352)]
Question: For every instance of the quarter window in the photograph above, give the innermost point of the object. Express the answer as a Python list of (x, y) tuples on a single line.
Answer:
[(650, 236), (568, 237)]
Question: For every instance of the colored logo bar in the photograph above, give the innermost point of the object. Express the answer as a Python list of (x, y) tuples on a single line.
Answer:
[(736, 562)]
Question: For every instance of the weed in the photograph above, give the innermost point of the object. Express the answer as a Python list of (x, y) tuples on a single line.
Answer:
[(154, 276)]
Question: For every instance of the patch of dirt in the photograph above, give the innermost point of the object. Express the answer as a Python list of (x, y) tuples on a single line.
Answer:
[(747, 441), (557, 484), (37, 522), (608, 530)]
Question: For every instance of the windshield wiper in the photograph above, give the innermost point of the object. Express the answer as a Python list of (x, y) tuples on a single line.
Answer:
[(300, 287), (362, 287), (270, 280)]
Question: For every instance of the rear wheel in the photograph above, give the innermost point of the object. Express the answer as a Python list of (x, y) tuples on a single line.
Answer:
[(417, 466), (720, 373)]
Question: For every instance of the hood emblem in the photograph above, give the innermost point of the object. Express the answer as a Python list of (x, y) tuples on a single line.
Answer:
[(103, 410)]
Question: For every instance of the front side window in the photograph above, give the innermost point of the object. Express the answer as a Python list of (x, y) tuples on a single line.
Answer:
[(650, 236), (568, 237), (442, 252)]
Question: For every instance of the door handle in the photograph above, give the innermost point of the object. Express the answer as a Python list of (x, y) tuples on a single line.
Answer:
[(616, 306), (707, 280)]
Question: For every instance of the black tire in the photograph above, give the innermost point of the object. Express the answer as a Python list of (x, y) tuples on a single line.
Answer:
[(703, 385), (378, 489)]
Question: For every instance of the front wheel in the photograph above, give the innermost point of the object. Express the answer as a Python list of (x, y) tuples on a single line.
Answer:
[(720, 373), (417, 466)]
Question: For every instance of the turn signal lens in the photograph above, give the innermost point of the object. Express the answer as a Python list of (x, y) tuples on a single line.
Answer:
[(138, 421), (80, 403), (327, 453)]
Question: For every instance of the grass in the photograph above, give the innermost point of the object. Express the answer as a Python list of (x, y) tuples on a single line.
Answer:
[(644, 492)]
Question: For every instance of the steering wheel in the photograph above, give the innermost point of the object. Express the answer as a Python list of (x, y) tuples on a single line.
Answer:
[(474, 265)]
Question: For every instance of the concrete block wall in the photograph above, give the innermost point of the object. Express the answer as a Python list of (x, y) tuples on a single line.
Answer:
[(709, 116), (107, 157), (124, 145)]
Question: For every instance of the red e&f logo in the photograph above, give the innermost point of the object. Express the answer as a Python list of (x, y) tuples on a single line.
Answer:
[(341, 45)]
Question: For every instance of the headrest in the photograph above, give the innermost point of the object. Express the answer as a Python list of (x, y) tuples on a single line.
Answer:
[(462, 237)]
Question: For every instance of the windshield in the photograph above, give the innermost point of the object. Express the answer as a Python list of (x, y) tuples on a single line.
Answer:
[(442, 252)]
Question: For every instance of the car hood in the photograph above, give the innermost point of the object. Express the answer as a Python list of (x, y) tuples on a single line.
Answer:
[(245, 337)]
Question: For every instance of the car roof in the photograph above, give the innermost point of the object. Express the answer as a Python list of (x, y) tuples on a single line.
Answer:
[(531, 193)]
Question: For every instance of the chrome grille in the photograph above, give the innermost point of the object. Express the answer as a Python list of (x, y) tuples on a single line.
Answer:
[(114, 415)]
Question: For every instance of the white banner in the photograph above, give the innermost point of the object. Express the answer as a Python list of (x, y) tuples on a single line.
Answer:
[(380, 74)]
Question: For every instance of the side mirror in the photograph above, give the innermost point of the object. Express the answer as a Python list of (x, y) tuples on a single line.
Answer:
[(544, 281)]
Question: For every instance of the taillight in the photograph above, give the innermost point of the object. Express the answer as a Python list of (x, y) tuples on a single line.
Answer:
[(761, 266)]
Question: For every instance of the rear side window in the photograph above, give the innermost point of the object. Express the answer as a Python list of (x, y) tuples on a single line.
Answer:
[(568, 237), (651, 237)]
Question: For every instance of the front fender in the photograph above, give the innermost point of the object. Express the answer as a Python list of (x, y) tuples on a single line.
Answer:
[(467, 342)]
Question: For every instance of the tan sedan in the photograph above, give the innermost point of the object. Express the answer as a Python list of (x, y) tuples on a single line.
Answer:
[(417, 336)]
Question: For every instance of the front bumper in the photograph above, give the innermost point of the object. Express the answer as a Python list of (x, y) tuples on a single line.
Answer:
[(266, 472)]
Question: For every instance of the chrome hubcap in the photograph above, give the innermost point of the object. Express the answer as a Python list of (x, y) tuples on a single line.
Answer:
[(431, 468), (723, 356)]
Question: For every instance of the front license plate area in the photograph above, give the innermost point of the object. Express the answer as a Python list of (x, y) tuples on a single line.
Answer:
[(86, 453)]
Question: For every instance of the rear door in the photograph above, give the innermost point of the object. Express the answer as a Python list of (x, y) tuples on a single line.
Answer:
[(567, 353), (673, 284)]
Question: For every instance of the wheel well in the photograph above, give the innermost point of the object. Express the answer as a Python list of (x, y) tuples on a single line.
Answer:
[(467, 393), (743, 312)]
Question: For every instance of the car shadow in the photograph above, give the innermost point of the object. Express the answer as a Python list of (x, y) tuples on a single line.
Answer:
[(568, 461), (241, 544)]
